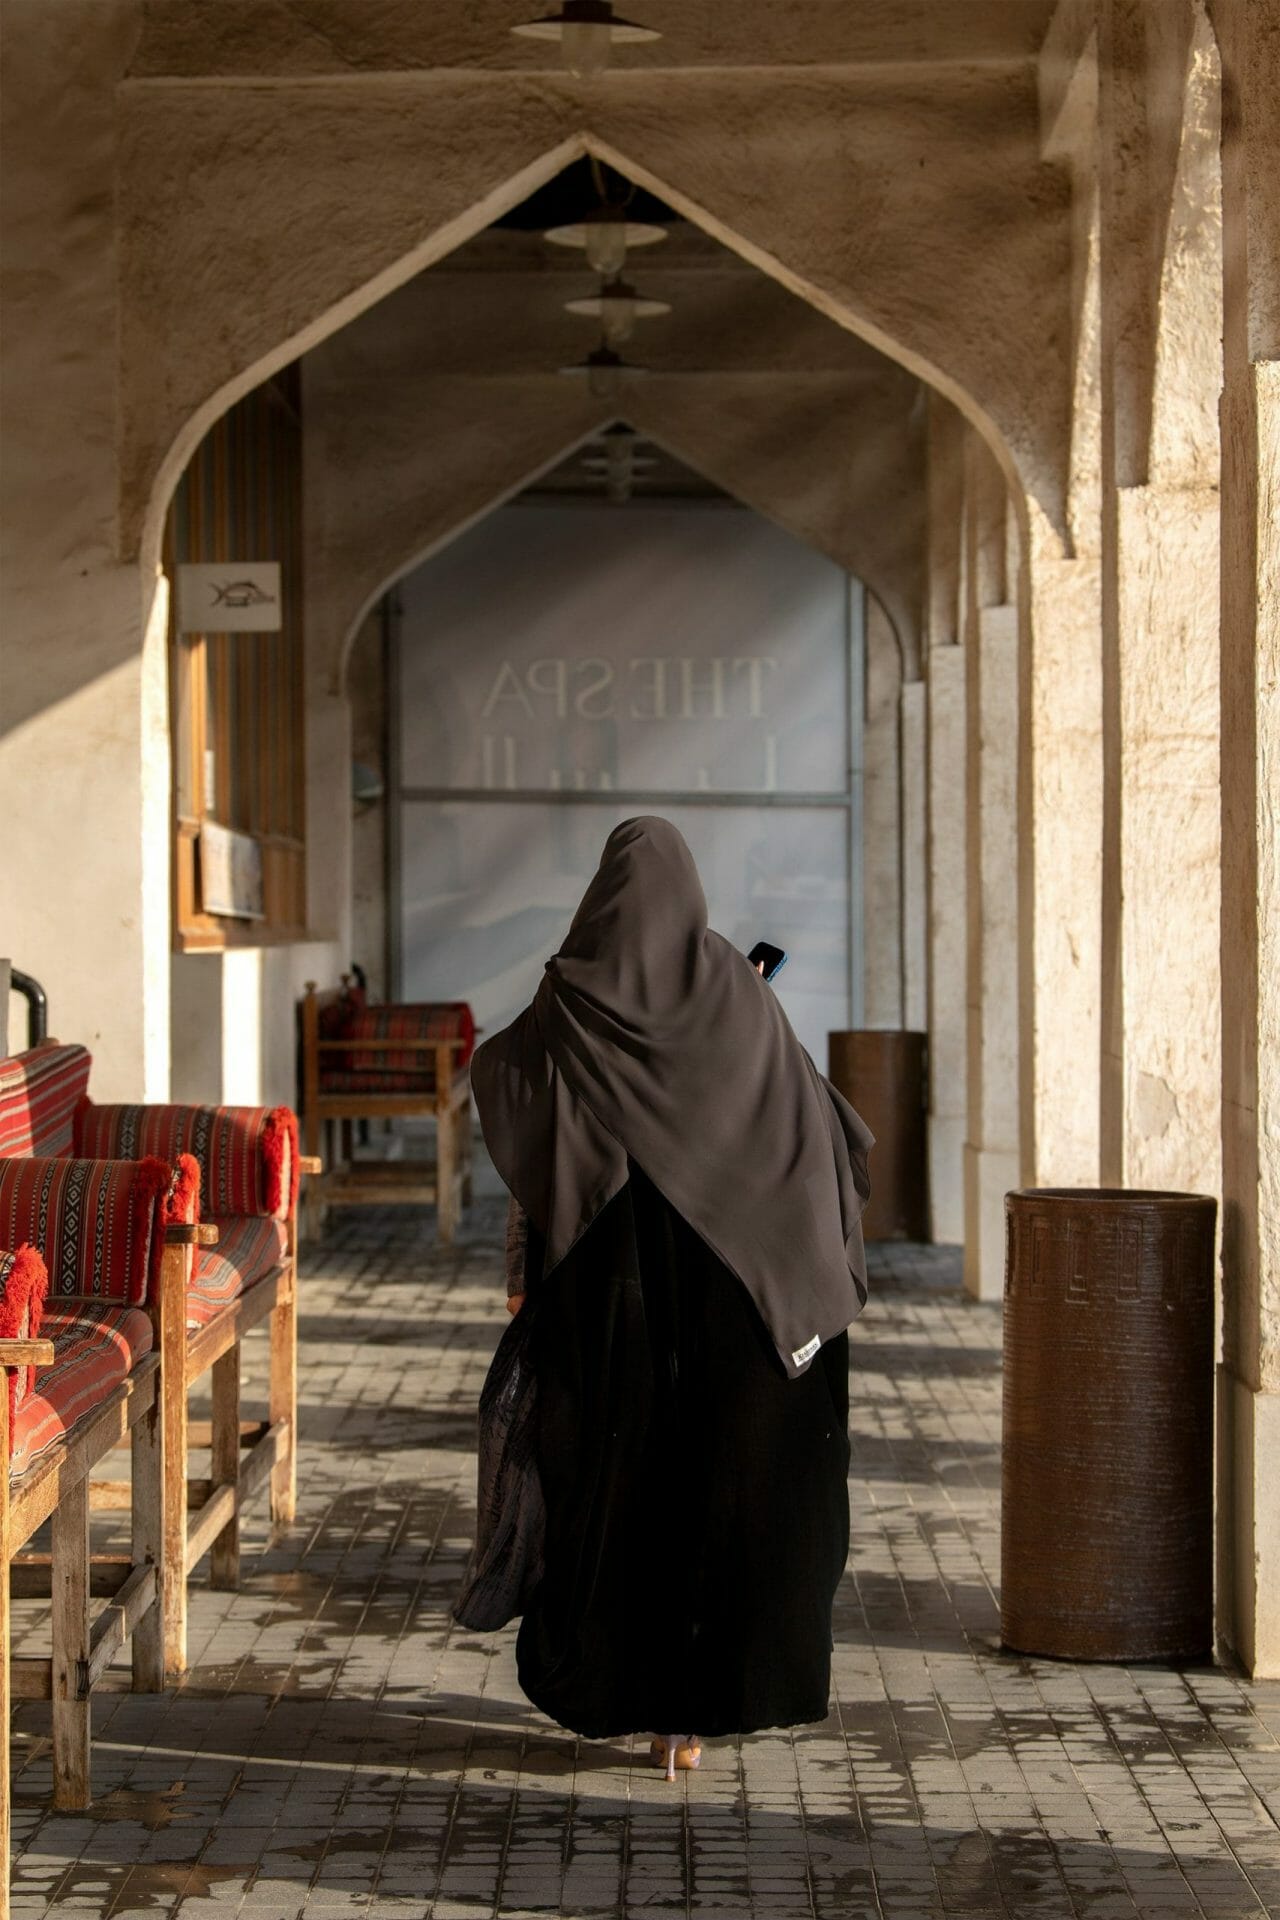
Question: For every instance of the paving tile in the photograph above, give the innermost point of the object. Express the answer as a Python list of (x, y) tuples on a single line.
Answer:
[(340, 1748)]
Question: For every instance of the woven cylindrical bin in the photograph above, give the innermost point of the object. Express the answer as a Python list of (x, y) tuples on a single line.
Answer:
[(883, 1075), (1107, 1514)]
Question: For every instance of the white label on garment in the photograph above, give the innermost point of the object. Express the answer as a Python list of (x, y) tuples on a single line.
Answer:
[(805, 1352)]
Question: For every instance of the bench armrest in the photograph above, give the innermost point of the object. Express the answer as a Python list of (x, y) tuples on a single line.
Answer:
[(26, 1353)]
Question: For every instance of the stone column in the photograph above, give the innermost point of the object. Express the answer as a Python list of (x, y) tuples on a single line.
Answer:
[(1249, 1378), (1060, 776), (947, 939), (915, 957), (992, 1160), (945, 756), (882, 826), (1161, 366)]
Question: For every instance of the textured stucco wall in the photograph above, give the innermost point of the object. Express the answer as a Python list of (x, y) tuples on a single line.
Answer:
[(83, 749), (331, 194)]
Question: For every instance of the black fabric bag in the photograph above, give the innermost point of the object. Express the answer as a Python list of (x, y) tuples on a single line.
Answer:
[(507, 1560)]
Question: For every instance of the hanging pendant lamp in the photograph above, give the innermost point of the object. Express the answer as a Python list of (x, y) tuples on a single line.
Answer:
[(617, 306), (606, 233), (588, 31)]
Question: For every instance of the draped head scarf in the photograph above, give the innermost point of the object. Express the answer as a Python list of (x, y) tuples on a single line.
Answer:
[(651, 1038)]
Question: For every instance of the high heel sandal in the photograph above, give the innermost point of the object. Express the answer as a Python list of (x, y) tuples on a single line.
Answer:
[(672, 1750)]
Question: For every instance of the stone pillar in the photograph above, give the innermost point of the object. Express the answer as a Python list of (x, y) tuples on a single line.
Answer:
[(882, 826), (1249, 1378), (1058, 595), (1160, 312), (945, 754), (1060, 893), (947, 938), (992, 1158), (915, 957)]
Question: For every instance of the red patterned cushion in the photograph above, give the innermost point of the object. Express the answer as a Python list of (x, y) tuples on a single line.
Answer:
[(430, 1020), (23, 1279), (96, 1346), (248, 1156), (39, 1094), (249, 1246), (97, 1223)]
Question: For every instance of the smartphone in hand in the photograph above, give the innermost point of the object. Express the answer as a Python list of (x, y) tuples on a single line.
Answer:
[(770, 960)]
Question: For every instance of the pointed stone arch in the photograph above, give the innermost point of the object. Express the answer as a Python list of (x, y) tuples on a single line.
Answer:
[(279, 254)]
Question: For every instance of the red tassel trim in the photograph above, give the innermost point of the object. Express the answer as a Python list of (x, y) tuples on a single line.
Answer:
[(280, 1156), (25, 1289), (153, 1181), (182, 1208), (23, 1299)]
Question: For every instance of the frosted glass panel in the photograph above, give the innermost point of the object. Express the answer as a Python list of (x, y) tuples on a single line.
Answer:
[(489, 889), (657, 649)]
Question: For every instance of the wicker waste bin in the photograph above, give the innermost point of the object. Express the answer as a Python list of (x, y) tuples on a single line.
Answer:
[(882, 1074), (1107, 1515)]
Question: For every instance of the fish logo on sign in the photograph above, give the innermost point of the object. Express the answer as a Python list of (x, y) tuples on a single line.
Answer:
[(232, 596), (240, 593)]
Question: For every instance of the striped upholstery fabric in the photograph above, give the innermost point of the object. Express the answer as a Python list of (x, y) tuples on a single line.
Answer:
[(248, 1156), (96, 1347), (98, 1224), (39, 1094), (23, 1279), (248, 1248), (430, 1020)]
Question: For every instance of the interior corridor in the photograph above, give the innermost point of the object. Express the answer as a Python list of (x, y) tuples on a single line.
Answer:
[(339, 1747)]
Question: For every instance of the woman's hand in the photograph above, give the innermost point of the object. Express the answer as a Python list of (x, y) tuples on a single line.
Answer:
[(514, 1302)]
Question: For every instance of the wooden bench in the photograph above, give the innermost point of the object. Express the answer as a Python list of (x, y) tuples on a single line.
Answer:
[(382, 1063), (82, 1376), (238, 1168)]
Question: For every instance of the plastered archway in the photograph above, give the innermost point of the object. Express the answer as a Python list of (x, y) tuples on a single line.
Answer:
[(326, 723)]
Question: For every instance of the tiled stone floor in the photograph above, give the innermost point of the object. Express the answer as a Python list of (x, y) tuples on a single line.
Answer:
[(340, 1748)]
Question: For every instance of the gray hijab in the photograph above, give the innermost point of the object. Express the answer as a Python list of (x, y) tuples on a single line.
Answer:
[(651, 1038)]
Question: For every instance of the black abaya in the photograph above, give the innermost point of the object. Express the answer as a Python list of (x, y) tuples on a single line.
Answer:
[(696, 1497)]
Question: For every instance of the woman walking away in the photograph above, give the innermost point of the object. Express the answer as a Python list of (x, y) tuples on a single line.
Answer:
[(664, 1444)]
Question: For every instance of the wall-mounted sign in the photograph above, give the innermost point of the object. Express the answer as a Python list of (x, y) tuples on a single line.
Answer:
[(230, 873), (229, 596)]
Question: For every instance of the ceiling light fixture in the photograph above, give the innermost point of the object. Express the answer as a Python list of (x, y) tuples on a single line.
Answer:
[(588, 31), (617, 306), (618, 462), (604, 372), (606, 233)]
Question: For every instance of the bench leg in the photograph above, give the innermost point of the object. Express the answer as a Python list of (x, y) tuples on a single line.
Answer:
[(146, 1646), (446, 1175), (224, 1378), (71, 1727), (173, 1416), (283, 1402)]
